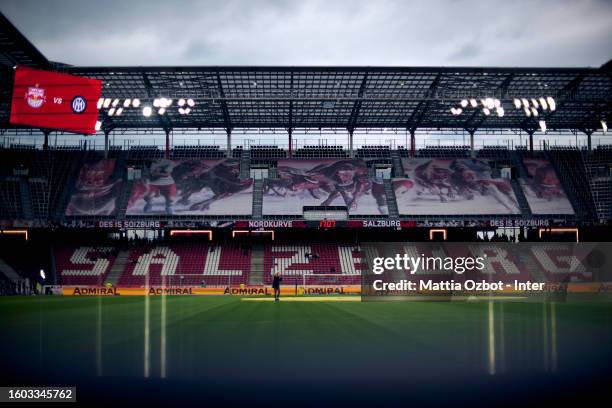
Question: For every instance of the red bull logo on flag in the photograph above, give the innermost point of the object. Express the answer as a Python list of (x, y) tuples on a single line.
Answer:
[(51, 100)]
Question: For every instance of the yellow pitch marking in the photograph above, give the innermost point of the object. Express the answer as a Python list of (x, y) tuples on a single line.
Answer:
[(306, 299)]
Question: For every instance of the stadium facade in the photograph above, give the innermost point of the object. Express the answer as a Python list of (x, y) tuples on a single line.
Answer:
[(221, 215)]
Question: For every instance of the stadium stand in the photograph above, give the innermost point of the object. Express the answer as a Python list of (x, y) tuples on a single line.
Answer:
[(374, 152), (444, 151), (84, 265), (10, 196), (36, 184), (211, 265), (320, 152), (569, 164), (186, 265), (267, 152), (293, 261), (139, 154), (598, 164), (197, 152), (237, 152)]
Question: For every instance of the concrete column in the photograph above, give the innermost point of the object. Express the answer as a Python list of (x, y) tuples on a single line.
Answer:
[(472, 153), (351, 152), (290, 133), (412, 143), (106, 132), (229, 142), (46, 141), (589, 140), (167, 151)]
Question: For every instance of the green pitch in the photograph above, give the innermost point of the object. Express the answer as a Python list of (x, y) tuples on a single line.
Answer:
[(229, 338)]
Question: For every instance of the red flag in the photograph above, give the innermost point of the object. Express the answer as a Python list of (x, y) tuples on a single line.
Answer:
[(55, 101)]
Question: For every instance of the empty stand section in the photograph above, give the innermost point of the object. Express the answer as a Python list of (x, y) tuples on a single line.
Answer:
[(295, 261)]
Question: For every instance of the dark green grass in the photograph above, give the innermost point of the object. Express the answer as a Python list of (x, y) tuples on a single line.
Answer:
[(226, 338)]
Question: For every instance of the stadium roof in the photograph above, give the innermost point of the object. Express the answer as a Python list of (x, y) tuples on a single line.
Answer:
[(338, 97)]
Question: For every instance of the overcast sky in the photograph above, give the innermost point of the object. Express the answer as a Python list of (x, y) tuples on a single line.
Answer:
[(318, 32)]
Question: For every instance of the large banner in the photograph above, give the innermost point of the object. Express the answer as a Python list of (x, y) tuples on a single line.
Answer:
[(95, 191), (328, 182), (452, 187), (192, 187), (543, 189), (55, 101)]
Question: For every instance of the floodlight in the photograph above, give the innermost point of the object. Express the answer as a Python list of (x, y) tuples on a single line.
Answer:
[(146, 111), (543, 126)]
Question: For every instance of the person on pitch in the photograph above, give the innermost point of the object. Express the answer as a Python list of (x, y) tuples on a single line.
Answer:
[(276, 285)]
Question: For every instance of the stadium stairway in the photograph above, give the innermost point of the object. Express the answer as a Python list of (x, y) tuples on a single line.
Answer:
[(117, 268), (391, 200), (520, 197), (518, 163), (245, 164), (600, 182), (26, 199), (66, 193), (257, 198), (257, 265), (397, 164), (122, 201), (534, 271), (575, 181), (8, 270)]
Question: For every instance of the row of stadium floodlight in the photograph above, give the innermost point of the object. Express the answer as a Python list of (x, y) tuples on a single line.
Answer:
[(162, 104)]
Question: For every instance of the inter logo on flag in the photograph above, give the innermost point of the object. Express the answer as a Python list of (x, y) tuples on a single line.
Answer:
[(79, 104)]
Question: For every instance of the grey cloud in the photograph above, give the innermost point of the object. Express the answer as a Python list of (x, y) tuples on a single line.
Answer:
[(468, 51), (318, 32)]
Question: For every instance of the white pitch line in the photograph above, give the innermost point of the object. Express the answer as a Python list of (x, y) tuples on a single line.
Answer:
[(491, 339)]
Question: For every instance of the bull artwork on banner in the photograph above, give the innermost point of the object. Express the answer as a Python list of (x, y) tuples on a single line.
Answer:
[(325, 182), (452, 187), (192, 187), (543, 189), (96, 190)]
